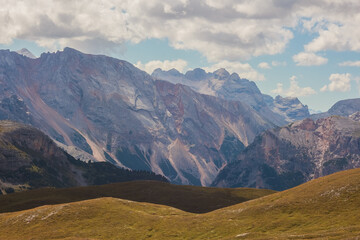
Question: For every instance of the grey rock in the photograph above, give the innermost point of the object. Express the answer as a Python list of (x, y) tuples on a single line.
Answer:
[(284, 157), (25, 52)]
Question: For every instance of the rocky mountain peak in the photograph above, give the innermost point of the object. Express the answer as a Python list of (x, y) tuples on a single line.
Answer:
[(159, 73), (236, 77), (196, 74), (174, 72), (341, 108), (25, 52), (291, 108), (345, 107), (221, 74), (68, 50)]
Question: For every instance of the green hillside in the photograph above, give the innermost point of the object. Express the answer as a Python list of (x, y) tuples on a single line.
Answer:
[(325, 208), (188, 198)]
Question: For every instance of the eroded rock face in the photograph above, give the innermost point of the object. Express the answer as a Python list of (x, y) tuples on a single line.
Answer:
[(117, 113), (285, 157)]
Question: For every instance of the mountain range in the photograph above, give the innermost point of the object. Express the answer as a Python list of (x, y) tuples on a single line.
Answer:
[(104, 109), (186, 127)]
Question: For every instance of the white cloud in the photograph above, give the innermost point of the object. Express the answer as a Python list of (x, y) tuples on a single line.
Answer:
[(309, 59), (149, 67), (277, 63), (350, 64), (338, 82), (243, 69), (324, 88), (339, 37), (294, 90), (357, 80), (264, 65), (231, 30)]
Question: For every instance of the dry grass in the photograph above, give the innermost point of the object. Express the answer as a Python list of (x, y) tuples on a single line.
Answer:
[(326, 208)]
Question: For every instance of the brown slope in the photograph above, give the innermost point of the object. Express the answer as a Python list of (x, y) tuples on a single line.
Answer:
[(325, 208), (187, 198)]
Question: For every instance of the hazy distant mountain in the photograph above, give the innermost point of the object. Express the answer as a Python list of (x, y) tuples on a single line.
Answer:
[(284, 157), (228, 86), (341, 108), (117, 113), (289, 107), (25, 52)]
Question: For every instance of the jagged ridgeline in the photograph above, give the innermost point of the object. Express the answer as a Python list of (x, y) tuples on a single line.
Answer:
[(30, 159)]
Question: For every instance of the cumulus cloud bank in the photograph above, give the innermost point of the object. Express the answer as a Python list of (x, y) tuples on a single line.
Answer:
[(350, 64), (264, 65), (221, 30), (338, 82), (309, 59), (294, 90)]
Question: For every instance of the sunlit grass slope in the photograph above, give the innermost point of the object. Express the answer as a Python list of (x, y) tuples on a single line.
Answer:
[(188, 198), (326, 208)]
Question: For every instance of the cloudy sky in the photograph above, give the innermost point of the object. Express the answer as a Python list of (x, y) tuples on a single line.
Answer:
[(304, 48)]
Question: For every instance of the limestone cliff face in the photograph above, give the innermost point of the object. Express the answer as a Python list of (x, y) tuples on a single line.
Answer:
[(285, 157), (119, 114), (30, 159)]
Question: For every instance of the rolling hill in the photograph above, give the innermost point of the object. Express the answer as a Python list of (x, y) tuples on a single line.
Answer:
[(188, 198), (325, 208)]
